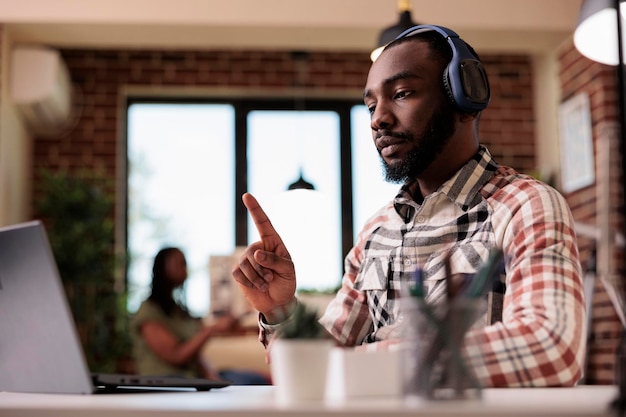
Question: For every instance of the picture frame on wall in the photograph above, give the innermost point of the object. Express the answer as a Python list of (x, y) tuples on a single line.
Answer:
[(576, 143)]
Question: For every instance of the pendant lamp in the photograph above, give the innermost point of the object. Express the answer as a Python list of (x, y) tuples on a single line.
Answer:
[(390, 33)]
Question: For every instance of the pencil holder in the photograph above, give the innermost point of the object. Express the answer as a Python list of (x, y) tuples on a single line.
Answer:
[(436, 364)]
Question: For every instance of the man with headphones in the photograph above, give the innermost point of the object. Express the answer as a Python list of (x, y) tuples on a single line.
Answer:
[(456, 204)]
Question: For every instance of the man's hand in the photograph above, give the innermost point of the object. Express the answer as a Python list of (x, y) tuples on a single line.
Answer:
[(265, 272)]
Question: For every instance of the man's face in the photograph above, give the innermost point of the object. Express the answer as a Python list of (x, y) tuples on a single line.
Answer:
[(412, 119)]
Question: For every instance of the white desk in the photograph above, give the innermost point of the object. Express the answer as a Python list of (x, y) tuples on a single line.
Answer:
[(258, 401)]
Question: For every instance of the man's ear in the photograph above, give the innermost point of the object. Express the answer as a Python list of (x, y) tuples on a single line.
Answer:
[(467, 117)]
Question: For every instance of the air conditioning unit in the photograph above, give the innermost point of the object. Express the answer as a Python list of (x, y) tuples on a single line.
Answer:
[(41, 89)]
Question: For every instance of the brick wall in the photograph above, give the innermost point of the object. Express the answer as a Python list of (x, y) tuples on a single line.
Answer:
[(579, 74), (508, 126)]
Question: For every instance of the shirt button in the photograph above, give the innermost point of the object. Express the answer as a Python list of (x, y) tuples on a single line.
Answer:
[(421, 219)]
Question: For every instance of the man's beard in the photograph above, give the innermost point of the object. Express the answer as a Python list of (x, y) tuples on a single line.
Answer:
[(426, 147)]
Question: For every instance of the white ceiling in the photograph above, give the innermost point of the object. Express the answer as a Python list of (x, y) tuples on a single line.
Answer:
[(497, 25)]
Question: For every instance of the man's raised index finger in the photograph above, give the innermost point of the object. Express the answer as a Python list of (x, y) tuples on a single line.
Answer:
[(261, 221)]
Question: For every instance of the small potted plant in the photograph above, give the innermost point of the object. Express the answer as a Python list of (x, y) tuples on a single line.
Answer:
[(299, 357), (303, 325)]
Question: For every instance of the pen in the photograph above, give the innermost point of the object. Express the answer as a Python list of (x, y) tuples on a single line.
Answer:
[(417, 289)]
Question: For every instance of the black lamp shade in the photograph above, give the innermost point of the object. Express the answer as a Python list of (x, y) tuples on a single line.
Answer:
[(392, 32), (301, 184)]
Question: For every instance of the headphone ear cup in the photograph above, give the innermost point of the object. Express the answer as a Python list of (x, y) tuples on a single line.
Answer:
[(464, 78), (448, 86)]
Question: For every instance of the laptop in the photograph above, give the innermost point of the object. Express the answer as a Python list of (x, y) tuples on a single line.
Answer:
[(40, 350)]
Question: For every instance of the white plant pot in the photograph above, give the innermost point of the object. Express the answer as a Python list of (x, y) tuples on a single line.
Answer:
[(299, 369)]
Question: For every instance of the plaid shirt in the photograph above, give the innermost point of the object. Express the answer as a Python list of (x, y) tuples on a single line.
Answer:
[(540, 340)]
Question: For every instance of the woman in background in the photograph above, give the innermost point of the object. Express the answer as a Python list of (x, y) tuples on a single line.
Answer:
[(167, 340)]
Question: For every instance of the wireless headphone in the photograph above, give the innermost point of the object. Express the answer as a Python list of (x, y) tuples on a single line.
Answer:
[(464, 79)]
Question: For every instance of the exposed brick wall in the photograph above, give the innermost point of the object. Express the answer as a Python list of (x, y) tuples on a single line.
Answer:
[(508, 125), (579, 74)]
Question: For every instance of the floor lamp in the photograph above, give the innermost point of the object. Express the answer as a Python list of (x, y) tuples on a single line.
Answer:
[(599, 37)]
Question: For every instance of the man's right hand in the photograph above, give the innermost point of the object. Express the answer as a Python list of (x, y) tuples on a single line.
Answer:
[(265, 272)]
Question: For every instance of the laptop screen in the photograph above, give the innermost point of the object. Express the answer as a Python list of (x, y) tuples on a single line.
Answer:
[(40, 350)]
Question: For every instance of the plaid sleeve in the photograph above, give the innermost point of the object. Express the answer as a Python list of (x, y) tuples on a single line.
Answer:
[(541, 338), (347, 317)]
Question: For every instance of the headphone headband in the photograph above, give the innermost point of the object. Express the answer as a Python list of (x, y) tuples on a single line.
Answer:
[(464, 78), (443, 31)]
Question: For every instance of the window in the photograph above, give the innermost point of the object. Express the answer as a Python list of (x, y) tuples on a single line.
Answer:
[(189, 163), (369, 189), (282, 145), (175, 154)]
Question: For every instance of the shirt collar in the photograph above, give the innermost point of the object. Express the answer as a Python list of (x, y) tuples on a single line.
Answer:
[(462, 188)]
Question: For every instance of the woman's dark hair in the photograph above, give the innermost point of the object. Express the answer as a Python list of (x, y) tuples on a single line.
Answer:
[(162, 288)]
